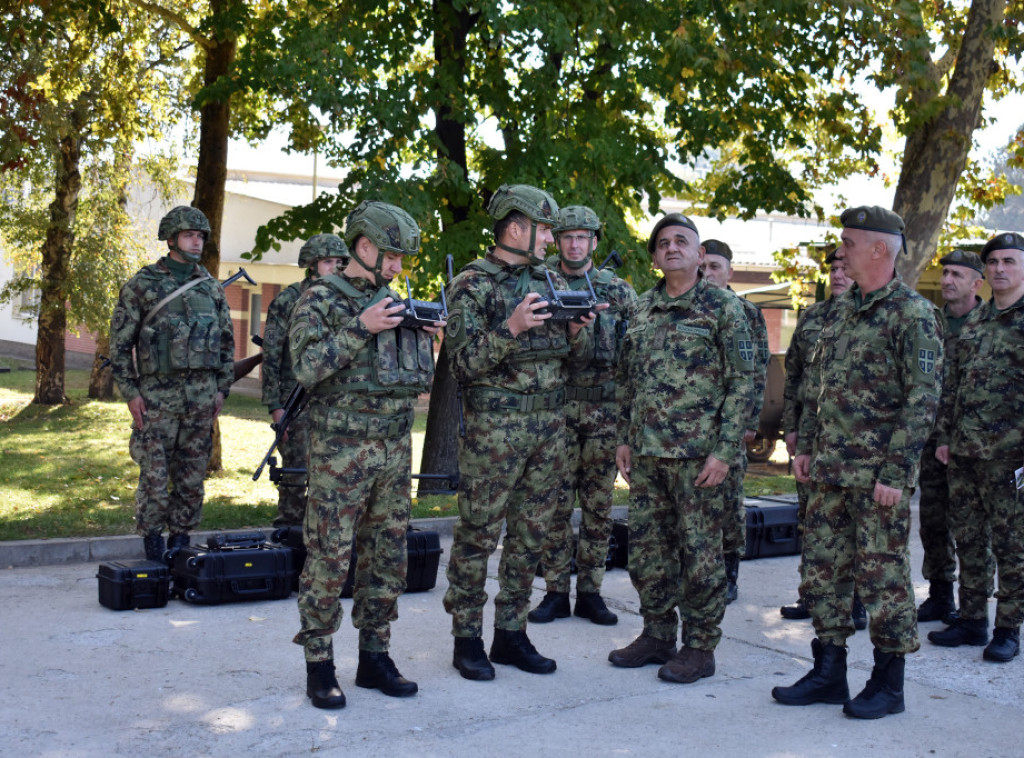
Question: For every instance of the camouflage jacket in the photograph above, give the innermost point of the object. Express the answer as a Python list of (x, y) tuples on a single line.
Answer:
[(340, 363), (800, 389), (278, 374), (951, 328), (185, 353), (481, 349), (879, 367), (759, 333), (983, 417), (608, 330), (685, 376)]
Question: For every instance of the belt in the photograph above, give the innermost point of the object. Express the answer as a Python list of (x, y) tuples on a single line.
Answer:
[(506, 401), (590, 394), (368, 426)]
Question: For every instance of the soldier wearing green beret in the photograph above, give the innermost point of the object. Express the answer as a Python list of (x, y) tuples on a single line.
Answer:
[(981, 437), (363, 372), (879, 362), (683, 389), (717, 269), (590, 417), (320, 256), (172, 352), (961, 280), (512, 363)]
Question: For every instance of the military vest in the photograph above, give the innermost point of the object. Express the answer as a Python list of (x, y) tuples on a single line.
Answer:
[(540, 343), (184, 335), (396, 362)]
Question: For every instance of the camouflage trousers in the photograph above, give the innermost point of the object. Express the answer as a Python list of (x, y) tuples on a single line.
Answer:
[(358, 490), (291, 490), (734, 530), (987, 516), (509, 467), (852, 542), (675, 550), (803, 494), (589, 475), (172, 451), (936, 534)]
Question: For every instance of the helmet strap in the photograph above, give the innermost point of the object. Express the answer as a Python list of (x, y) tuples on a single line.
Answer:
[(577, 265), (528, 253), (189, 257), (378, 277)]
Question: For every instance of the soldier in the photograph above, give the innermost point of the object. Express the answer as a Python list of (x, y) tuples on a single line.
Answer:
[(981, 437), (320, 256), (590, 431), (717, 269), (961, 280), (683, 389), (879, 362), (174, 316), (512, 364), (800, 391), (363, 372)]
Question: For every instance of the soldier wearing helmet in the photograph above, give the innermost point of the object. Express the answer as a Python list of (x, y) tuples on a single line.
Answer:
[(512, 364), (590, 417), (363, 372), (320, 256), (172, 352)]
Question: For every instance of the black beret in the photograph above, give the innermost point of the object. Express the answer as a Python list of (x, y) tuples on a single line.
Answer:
[(671, 219), (872, 218), (963, 258), (1005, 241), (716, 247), (830, 256)]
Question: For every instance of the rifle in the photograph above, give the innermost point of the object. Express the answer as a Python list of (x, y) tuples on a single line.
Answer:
[(293, 406), (449, 264), (614, 258), (244, 366)]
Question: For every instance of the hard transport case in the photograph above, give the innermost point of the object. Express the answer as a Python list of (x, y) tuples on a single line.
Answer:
[(772, 528), (126, 585), (232, 567)]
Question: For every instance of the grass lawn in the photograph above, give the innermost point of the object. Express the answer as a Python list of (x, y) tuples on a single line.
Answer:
[(65, 470)]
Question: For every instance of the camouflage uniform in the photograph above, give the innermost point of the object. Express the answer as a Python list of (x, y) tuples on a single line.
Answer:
[(590, 417), (278, 383), (362, 391), (984, 424), (184, 356), (514, 447), (879, 363), (683, 389)]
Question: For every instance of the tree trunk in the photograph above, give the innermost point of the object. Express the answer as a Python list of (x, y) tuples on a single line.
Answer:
[(935, 153), (56, 257), (101, 380), (212, 166), (441, 445)]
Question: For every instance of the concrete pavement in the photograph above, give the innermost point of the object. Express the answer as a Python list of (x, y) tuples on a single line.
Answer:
[(77, 679)]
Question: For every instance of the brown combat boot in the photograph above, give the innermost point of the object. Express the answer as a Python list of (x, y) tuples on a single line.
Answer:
[(641, 651), (688, 665)]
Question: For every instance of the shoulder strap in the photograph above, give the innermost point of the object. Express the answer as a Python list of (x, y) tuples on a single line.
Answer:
[(181, 290)]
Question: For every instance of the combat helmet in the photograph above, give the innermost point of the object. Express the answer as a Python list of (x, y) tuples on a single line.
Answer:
[(183, 218), (321, 246), (388, 227), (578, 217), (536, 204)]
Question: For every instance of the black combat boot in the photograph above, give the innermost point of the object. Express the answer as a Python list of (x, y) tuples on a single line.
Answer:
[(322, 685), (154, 545), (883, 693), (376, 671), (590, 605), (732, 576), (555, 605), (859, 613), (795, 611), (1005, 645), (961, 632), (513, 648), (940, 604), (471, 660), (825, 683)]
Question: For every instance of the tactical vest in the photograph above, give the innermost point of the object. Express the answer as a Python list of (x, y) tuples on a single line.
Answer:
[(609, 326), (396, 362), (541, 342), (184, 335)]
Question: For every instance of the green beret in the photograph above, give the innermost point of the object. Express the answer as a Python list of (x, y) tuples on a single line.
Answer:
[(671, 219), (1005, 241), (716, 247), (963, 258), (872, 218)]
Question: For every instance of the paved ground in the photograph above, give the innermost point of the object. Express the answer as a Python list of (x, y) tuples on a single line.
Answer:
[(77, 679)]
